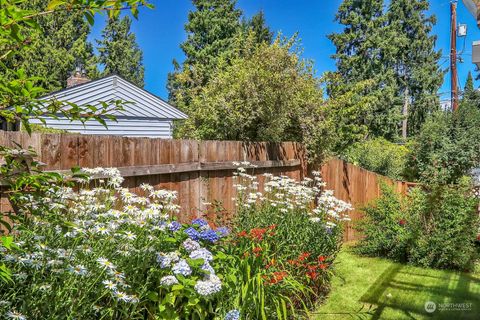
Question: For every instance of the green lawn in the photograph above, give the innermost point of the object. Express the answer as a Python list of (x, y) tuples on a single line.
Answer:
[(375, 288)]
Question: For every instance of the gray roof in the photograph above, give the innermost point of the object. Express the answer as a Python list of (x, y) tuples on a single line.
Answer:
[(143, 103)]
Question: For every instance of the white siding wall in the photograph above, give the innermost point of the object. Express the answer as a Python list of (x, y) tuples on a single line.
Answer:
[(154, 128)]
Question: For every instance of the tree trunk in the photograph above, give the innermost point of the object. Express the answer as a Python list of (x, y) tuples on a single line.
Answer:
[(405, 115)]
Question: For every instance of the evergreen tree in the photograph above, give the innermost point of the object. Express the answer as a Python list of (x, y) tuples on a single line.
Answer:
[(470, 96), (60, 44), (414, 59), (361, 56), (212, 32), (258, 25), (119, 52)]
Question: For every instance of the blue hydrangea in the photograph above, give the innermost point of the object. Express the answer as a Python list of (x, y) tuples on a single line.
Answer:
[(182, 267), (209, 286), (191, 245), (199, 222), (192, 233), (207, 267), (209, 235), (174, 226), (202, 253), (223, 232), (233, 315)]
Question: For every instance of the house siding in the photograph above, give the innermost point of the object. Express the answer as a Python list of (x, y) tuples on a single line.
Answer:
[(152, 128)]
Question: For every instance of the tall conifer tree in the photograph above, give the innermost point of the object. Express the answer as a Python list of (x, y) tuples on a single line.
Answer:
[(258, 25), (212, 30), (119, 52), (56, 50), (360, 56), (414, 59)]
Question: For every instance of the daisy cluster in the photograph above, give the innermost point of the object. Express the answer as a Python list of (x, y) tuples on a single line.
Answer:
[(103, 245), (286, 194)]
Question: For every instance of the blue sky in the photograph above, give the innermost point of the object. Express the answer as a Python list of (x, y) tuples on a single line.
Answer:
[(160, 32)]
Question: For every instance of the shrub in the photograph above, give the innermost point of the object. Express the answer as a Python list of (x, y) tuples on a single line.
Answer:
[(434, 227), (384, 226), (445, 223), (379, 155)]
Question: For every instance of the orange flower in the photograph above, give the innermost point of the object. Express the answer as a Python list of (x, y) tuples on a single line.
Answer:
[(312, 275), (304, 256), (242, 233), (323, 266), (257, 251), (277, 277), (257, 233)]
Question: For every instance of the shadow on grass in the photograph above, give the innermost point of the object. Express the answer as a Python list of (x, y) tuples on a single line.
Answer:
[(411, 290)]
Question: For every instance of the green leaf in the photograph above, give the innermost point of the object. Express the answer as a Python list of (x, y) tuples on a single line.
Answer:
[(53, 4)]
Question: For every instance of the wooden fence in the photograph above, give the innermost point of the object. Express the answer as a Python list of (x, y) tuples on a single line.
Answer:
[(358, 187), (200, 171)]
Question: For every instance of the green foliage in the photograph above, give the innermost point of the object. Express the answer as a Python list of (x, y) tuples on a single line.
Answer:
[(445, 225), (432, 228), (412, 55), (359, 55), (118, 51), (379, 155), (258, 25), (447, 147), (394, 51), (58, 45), (211, 29), (385, 227), (266, 96)]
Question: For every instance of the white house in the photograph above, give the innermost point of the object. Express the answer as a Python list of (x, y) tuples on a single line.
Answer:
[(146, 115)]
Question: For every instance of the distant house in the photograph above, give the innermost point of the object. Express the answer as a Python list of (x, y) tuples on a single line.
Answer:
[(145, 116)]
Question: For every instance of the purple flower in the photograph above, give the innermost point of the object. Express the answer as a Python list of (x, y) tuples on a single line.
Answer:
[(174, 226), (209, 235), (192, 233), (223, 232), (199, 222)]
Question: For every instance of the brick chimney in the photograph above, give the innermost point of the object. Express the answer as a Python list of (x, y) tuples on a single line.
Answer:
[(77, 77)]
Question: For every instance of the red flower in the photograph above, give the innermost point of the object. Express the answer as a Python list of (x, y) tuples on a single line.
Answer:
[(277, 276), (242, 233), (273, 226), (304, 256), (323, 266), (257, 233), (402, 222), (321, 258), (478, 237), (312, 275), (293, 262), (257, 251)]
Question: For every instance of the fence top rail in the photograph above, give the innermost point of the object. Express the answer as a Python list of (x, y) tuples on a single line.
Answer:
[(136, 171)]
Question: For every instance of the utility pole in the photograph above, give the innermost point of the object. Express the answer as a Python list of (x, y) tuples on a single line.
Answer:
[(453, 54)]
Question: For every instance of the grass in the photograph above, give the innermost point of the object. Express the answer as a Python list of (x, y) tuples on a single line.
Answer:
[(376, 288)]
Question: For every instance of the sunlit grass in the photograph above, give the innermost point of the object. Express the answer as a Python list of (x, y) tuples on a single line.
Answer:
[(375, 288)]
